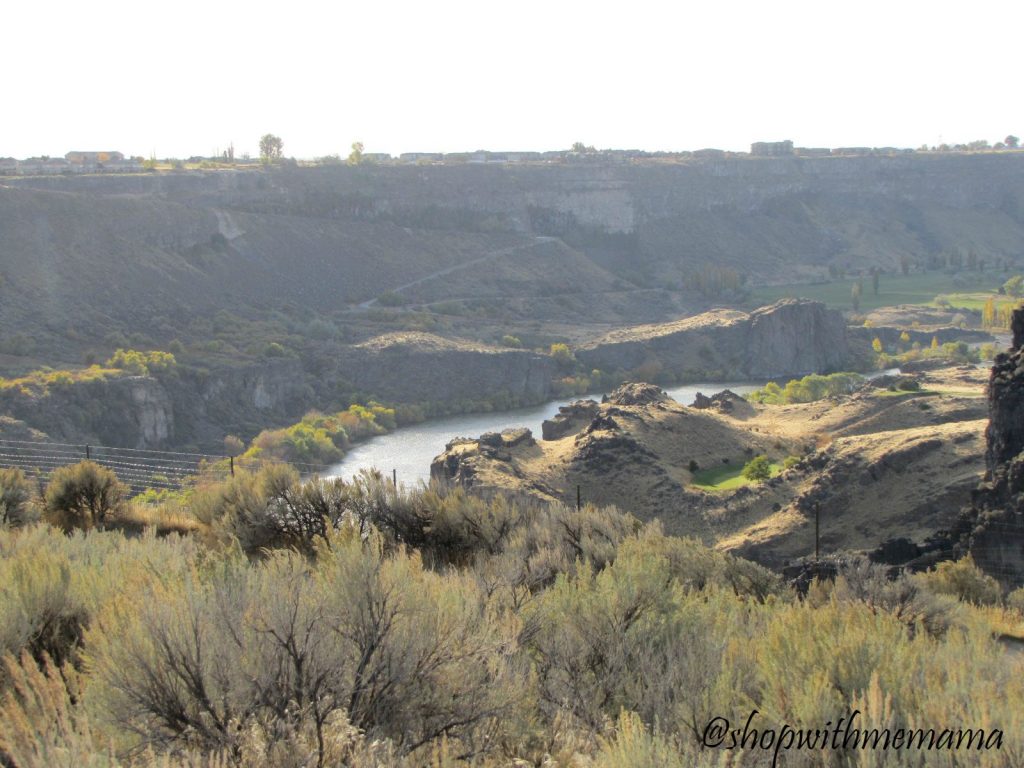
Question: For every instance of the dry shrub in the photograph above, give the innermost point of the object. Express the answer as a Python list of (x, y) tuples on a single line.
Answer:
[(284, 646), (16, 502)]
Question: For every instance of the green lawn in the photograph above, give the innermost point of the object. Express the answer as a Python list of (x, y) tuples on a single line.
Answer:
[(726, 477), (970, 292)]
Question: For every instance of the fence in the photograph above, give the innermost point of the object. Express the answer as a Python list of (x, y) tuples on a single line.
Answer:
[(137, 468)]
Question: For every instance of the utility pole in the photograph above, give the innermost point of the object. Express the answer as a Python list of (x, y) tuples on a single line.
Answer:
[(817, 531)]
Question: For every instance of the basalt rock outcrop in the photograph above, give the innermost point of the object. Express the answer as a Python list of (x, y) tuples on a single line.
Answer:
[(725, 401), (790, 338), (570, 418), (129, 411), (996, 515), (422, 367), (464, 458)]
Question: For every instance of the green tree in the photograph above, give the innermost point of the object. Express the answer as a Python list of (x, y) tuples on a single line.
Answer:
[(1011, 141), (562, 355), (1014, 286), (355, 157), (877, 345), (83, 496), (758, 469), (271, 148)]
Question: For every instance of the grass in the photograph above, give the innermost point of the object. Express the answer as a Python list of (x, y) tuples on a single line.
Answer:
[(892, 290), (727, 477)]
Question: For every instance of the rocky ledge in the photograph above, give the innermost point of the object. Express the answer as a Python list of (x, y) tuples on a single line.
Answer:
[(792, 337), (995, 519)]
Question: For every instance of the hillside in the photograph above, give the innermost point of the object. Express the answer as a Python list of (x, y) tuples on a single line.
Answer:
[(879, 465), (565, 244)]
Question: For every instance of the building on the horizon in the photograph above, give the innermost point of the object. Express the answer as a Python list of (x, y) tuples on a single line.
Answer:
[(72, 162), (772, 148)]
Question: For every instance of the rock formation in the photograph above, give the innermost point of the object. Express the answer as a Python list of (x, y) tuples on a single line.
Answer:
[(725, 401), (422, 367), (790, 338), (570, 418), (997, 511)]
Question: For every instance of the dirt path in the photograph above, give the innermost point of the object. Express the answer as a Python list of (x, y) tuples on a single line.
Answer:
[(490, 256)]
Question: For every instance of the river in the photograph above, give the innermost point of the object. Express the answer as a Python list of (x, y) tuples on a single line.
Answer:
[(409, 450)]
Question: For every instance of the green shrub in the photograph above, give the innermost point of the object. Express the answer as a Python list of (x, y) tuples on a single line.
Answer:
[(83, 496), (274, 349)]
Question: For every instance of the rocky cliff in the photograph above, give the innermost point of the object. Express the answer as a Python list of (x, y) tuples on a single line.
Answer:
[(422, 367), (996, 516), (789, 338), (128, 411)]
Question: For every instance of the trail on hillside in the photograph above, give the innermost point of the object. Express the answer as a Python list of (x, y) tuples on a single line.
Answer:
[(490, 256)]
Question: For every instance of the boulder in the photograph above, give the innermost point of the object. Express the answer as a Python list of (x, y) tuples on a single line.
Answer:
[(636, 393)]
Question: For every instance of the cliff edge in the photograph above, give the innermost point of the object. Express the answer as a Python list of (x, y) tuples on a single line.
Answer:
[(997, 511)]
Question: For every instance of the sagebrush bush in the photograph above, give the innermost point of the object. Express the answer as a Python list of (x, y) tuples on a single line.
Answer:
[(407, 628), (963, 580), (405, 654), (83, 495), (16, 502)]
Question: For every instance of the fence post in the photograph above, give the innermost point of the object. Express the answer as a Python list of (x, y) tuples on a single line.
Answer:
[(578, 504), (232, 460), (394, 478), (88, 454)]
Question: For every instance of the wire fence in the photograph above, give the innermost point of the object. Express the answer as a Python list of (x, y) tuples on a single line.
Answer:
[(137, 468)]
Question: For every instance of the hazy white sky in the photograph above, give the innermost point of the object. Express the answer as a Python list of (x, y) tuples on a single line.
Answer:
[(189, 77)]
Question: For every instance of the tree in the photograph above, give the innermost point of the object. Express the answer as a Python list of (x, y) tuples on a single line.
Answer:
[(877, 345), (355, 157), (271, 147), (1011, 141), (855, 293), (83, 495), (1014, 286), (905, 265), (988, 313), (582, 149), (874, 280), (758, 469), (562, 355)]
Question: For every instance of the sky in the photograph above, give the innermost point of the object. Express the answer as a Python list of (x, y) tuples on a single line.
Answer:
[(191, 78)]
